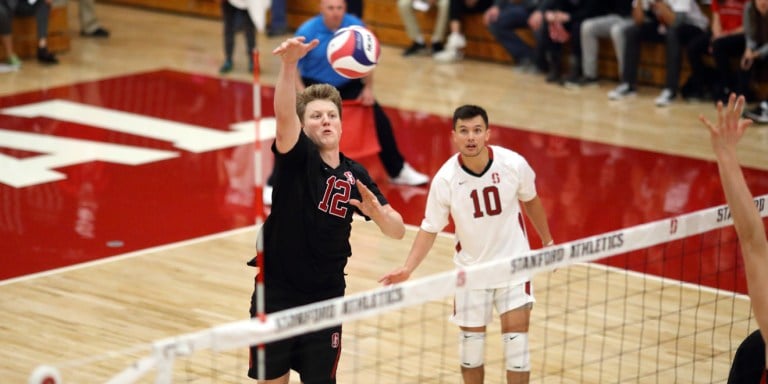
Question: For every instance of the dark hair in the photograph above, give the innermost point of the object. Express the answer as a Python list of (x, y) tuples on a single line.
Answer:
[(759, 25), (469, 111), (317, 92)]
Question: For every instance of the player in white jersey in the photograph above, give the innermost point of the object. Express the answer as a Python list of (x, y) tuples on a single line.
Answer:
[(481, 188)]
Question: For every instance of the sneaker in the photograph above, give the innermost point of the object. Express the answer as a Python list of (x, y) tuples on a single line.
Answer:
[(415, 49), (665, 98), (580, 82), (98, 32), (553, 75), (266, 195), (226, 67), (622, 91), (277, 31), (525, 65), (410, 176), (455, 41), (437, 47), (448, 55), (759, 114), (14, 62), (45, 56)]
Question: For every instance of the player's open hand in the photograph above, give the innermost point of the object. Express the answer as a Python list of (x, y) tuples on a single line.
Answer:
[(729, 127), (369, 205), (294, 48), (397, 276)]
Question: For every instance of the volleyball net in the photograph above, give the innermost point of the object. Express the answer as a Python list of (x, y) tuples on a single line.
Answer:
[(651, 303)]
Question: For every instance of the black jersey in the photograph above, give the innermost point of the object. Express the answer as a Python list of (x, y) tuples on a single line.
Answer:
[(306, 235)]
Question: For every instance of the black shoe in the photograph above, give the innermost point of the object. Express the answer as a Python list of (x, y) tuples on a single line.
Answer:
[(437, 47), (46, 57), (581, 82), (277, 31), (553, 75), (414, 49), (760, 114), (98, 32)]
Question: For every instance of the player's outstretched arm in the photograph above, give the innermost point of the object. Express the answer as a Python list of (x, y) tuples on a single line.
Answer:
[(725, 133), (288, 125), (419, 250), (386, 218)]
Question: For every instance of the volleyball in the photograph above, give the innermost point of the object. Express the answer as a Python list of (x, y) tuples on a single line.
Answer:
[(353, 52)]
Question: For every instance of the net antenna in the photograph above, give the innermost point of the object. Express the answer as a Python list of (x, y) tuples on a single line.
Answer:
[(258, 161), (258, 155), (384, 301)]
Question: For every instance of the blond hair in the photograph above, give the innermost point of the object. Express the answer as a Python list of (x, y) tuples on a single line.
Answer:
[(317, 92)]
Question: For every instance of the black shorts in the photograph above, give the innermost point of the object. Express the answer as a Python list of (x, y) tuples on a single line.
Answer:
[(314, 356)]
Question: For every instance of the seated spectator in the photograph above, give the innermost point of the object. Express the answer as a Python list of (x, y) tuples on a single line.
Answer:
[(6, 21), (454, 45), (406, 9), (503, 19), (726, 38), (756, 53), (41, 9), (673, 22), (611, 24), (562, 24), (233, 17)]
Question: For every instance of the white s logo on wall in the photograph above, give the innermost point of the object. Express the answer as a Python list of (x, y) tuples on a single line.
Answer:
[(61, 151)]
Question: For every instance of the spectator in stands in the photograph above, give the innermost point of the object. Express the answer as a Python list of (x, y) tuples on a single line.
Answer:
[(314, 68), (724, 40), (749, 364), (503, 19), (611, 24), (673, 22), (562, 22), (89, 24), (232, 18), (756, 52), (6, 21), (455, 43), (41, 9), (726, 48), (406, 9)]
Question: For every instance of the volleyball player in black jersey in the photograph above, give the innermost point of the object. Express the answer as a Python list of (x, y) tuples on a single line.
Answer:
[(306, 236), (749, 363)]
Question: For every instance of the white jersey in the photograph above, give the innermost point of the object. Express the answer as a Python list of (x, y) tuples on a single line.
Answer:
[(485, 208)]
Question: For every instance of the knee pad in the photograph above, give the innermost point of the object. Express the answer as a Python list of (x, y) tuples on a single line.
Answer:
[(516, 354), (471, 349)]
